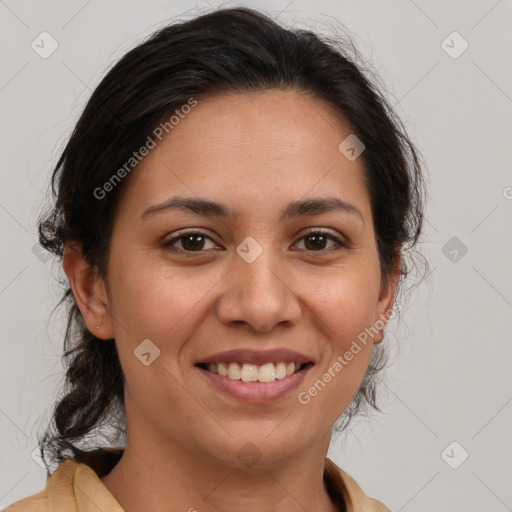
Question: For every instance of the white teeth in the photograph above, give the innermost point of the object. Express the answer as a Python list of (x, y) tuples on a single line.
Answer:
[(267, 373), (280, 370), (247, 372), (234, 371)]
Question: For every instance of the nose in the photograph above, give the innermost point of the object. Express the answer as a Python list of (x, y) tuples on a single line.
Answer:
[(259, 294)]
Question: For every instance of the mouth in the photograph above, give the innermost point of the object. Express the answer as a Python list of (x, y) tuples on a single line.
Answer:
[(248, 382), (250, 372)]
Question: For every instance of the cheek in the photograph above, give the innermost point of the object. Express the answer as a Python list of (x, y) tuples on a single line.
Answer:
[(157, 302), (345, 305), (149, 297), (346, 302), (153, 303)]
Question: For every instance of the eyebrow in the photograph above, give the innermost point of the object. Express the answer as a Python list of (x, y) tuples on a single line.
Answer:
[(295, 209)]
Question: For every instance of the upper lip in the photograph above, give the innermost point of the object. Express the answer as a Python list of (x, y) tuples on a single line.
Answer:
[(257, 356)]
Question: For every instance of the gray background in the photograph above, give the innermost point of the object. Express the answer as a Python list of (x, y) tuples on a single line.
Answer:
[(450, 374)]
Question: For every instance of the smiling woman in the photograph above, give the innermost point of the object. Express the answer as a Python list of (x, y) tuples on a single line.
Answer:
[(228, 296)]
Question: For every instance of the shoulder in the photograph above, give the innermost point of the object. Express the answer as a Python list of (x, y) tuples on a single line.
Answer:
[(354, 497), (75, 487), (35, 503), (58, 491)]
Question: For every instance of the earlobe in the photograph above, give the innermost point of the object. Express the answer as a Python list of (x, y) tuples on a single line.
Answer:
[(89, 291)]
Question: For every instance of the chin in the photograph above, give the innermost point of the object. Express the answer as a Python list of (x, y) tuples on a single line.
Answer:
[(268, 449)]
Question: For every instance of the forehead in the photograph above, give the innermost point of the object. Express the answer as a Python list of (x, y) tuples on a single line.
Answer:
[(275, 146)]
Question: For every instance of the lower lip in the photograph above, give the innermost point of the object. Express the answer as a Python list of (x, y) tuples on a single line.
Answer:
[(256, 391)]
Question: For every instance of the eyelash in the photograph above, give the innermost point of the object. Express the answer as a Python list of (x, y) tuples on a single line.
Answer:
[(318, 231)]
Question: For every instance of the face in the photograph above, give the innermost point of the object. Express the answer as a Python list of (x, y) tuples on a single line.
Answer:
[(196, 283)]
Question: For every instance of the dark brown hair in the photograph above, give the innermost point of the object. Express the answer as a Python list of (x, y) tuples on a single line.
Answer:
[(228, 50)]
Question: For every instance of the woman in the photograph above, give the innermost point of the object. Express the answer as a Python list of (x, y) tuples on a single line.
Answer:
[(233, 211)]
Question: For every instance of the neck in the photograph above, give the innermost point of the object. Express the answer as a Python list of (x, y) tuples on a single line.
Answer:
[(150, 477)]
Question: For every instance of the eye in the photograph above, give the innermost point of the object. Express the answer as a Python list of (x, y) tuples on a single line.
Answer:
[(192, 241), (315, 241), (195, 241)]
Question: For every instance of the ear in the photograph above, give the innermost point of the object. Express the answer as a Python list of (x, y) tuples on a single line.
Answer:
[(386, 299), (89, 291)]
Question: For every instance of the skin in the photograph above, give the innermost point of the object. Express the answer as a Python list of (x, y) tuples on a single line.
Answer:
[(255, 153)]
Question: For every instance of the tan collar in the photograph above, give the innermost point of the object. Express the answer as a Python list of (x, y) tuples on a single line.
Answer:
[(76, 487)]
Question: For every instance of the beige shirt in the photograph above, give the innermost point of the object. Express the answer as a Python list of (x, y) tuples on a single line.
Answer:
[(76, 487)]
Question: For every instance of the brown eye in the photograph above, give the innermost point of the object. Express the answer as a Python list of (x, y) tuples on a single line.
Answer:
[(316, 241), (190, 242)]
